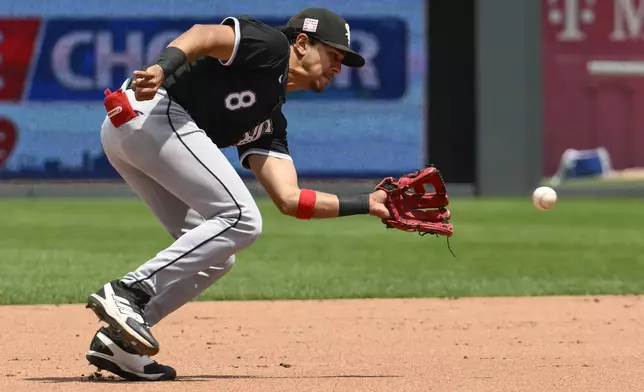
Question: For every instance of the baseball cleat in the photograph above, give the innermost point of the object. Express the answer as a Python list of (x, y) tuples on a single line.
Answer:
[(108, 351), (121, 307)]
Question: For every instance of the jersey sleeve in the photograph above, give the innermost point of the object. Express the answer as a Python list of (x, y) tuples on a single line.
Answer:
[(272, 142), (257, 45)]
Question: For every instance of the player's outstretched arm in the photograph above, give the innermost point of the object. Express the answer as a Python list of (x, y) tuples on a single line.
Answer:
[(279, 178)]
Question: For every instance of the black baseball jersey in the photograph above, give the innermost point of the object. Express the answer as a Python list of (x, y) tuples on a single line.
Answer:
[(238, 101)]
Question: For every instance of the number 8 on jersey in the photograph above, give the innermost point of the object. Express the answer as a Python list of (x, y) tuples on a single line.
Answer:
[(243, 99)]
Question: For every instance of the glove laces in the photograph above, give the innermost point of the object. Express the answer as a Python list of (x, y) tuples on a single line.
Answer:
[(449, 245)]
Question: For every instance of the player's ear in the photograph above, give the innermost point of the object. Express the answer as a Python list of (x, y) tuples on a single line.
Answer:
[(302, 43)]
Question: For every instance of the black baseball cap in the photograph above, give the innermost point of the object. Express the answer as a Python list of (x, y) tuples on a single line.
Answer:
[(330, 28)]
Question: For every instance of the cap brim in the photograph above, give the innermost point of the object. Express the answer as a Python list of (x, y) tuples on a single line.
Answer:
[(351, 58)]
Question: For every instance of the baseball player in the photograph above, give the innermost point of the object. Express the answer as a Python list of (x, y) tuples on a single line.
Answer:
[(214, 86)]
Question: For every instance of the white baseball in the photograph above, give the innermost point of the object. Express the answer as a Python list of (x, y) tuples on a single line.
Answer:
[(544, 198)]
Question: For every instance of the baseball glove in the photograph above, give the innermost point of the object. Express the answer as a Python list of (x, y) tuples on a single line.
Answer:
[(412, 208)]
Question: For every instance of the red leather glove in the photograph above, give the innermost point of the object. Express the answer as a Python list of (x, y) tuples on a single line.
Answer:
[(412, 208)]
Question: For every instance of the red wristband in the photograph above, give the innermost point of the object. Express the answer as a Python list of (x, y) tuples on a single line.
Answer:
[(306, 205)]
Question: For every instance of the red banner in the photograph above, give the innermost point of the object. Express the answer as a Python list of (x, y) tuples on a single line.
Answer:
[(593, 74), (17, 42)]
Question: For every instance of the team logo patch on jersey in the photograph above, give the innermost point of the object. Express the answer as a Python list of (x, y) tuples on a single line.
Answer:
[(310, 25), (266, 127)]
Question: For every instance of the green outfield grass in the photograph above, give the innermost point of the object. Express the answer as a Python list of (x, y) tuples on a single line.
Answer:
[(58, 251)]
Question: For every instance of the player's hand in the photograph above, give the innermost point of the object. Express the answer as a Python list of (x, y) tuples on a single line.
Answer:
[(377, 204), (146, 83)]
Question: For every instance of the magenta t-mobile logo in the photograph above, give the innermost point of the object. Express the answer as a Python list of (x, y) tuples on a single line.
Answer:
[(617, 20), (571, 15)]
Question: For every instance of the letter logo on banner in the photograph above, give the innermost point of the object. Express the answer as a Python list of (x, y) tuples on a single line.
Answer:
[(79, 58), (107, 58), (629, 20), (571, 14), (62, 57)]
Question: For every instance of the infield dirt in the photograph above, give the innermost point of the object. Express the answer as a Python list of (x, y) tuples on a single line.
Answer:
[(472, 344)]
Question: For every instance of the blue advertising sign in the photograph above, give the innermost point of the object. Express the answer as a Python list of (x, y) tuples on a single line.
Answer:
[(57, 57), (80, 58)]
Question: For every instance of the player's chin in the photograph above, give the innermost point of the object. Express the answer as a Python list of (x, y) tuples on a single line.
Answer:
[(319, 86)]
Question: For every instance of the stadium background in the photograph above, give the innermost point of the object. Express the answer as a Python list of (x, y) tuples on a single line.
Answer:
[(370, 123), (511, 83)]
